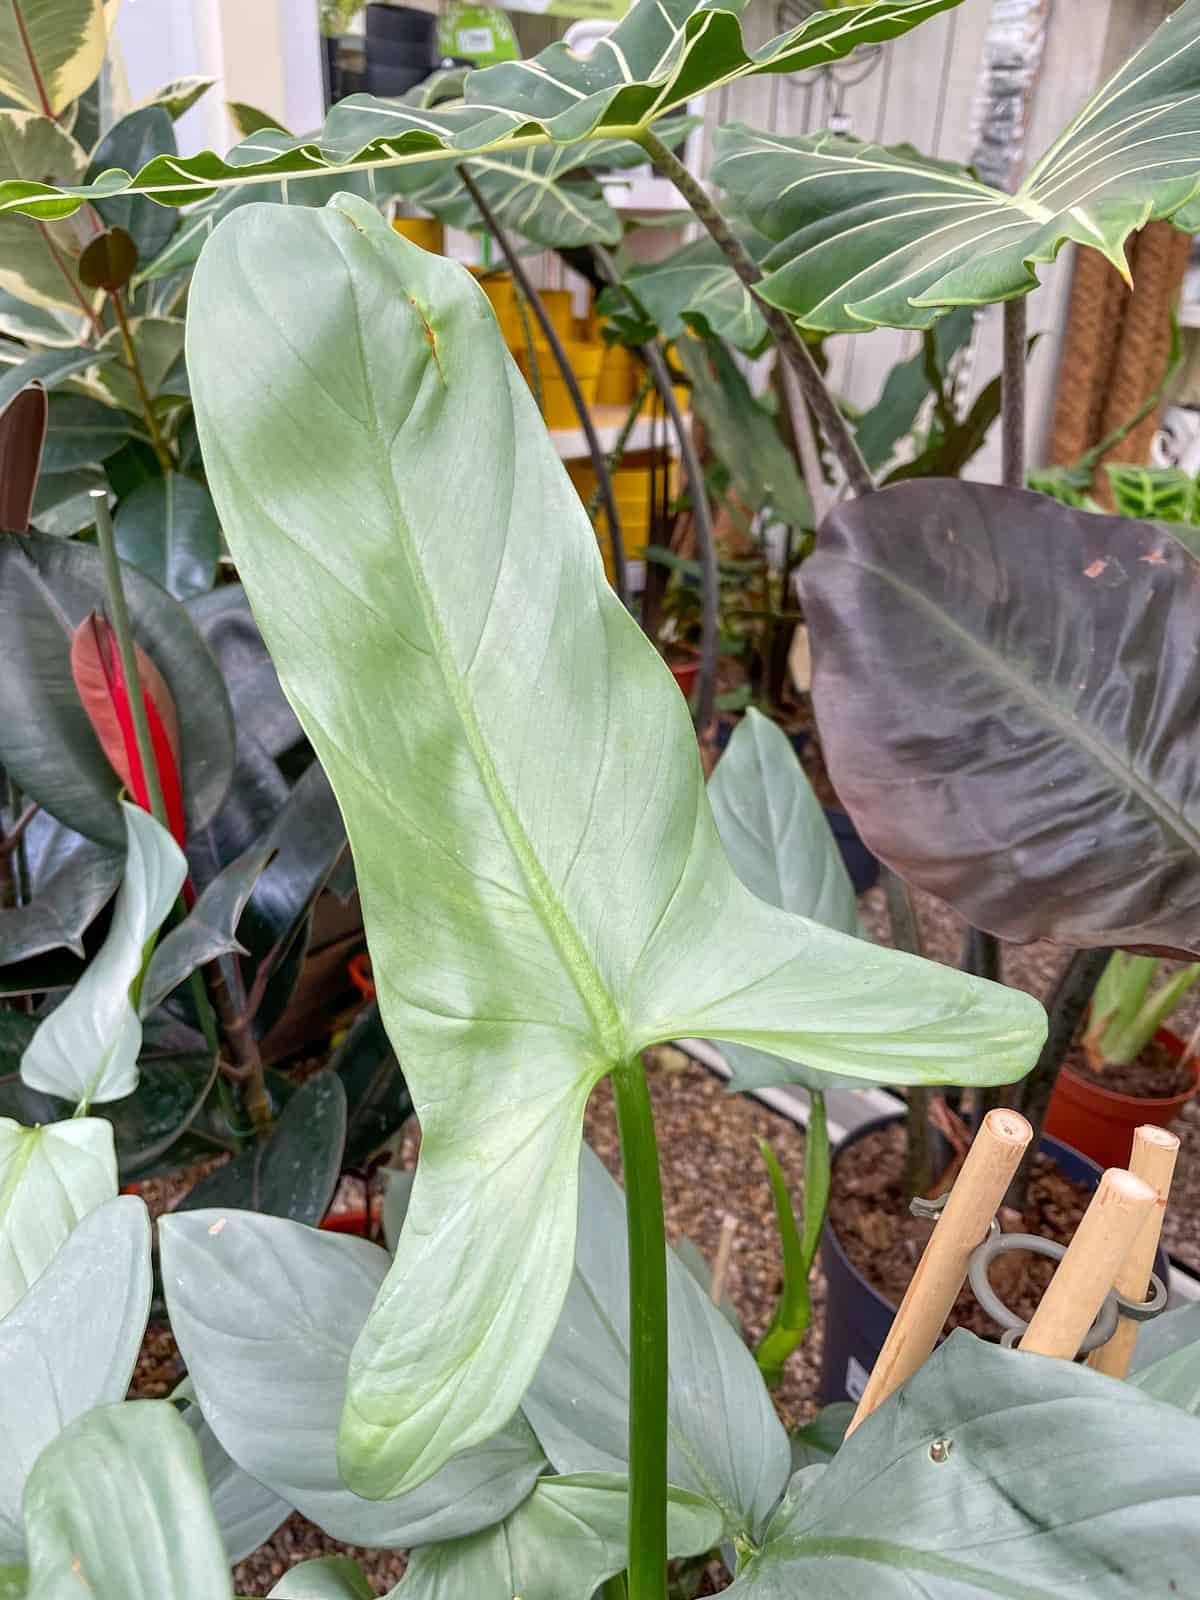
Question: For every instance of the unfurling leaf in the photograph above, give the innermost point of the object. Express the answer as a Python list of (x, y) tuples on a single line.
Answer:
[(100, 680), (109, 260), (86, 1050)]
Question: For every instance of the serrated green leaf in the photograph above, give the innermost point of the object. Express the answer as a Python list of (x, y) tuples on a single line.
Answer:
[(870, 236), (266, 1312), (50, 1178), (538, 770), (563, 1543), (51, 53), (117, 1505), (725, 1442), (86, 1050), (658, 57), (1057, 1484), (70, 1344)]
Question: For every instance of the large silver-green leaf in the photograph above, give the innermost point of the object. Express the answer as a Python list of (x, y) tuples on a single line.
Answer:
[(542, 883), (117, 1506), (50, 1178), (38, 260), (50, 51), (779, 842), (266, 1312), (870, 236), (657, 58), (724, 1440), (326, 1578), (247, 1512), (1175, 1379), (86, 1050), (563, 1543), (70, 1344), (1054, 1483)]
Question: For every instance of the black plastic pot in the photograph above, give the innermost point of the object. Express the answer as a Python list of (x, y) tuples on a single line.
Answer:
[(395, 23), (392, 81), (400, 54), (858, 1318)]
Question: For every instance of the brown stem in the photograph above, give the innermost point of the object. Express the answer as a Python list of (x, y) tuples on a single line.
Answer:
[(247, 1063), (131, 361), (39, 84), (783, 330), (1016, 340), (64, 266)]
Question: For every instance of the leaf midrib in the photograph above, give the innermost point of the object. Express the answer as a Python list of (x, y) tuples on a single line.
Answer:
[(1073, 729), (597, 1001)]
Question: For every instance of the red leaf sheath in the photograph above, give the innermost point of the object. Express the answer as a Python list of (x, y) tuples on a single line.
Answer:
[(104, 693)]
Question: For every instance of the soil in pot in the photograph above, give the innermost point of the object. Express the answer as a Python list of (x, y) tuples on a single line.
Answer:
[(1156, 1074), (869, 1213)]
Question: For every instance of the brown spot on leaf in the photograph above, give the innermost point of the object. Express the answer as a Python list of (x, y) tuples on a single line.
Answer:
[(430, 336), (216, 1227), (1097, 567), (1156, 558)]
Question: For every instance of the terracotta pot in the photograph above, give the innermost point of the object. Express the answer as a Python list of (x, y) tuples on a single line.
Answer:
[(1100, 1122), (347, 1222), (685, 674)]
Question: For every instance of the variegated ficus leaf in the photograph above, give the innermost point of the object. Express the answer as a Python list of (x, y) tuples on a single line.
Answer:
[(660, 56), (868, 236)]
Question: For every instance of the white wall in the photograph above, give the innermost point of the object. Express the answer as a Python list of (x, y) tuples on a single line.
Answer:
[(265, 52)]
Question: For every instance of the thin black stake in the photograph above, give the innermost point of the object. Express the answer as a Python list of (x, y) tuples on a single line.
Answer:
[(1016, 341), (706, 689), (599, 463)]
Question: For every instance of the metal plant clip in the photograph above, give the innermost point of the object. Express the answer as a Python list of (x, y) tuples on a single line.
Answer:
[(997, 1243)]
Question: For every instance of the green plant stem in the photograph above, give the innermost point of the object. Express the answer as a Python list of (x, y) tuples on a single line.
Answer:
[(906, 935), (116, 300), (783, 330), (1016, 355), (615, 1588), (647, 1246), (550, 334), (1075, 988)]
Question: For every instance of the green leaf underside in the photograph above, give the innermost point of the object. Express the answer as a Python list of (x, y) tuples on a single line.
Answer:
[(50, 1178), (661, 55), (532, 842), (870, 236), (266, 1313), (86, 1050), (70, 1344), (724, 1439), (1059, 1484), (117, 1505), (779, 842), (567, 1539)]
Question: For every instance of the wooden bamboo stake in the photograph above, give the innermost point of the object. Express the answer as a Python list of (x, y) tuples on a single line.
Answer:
[(942, 1270), (1153, 1160), (1111, 1223), (720, 1277)]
